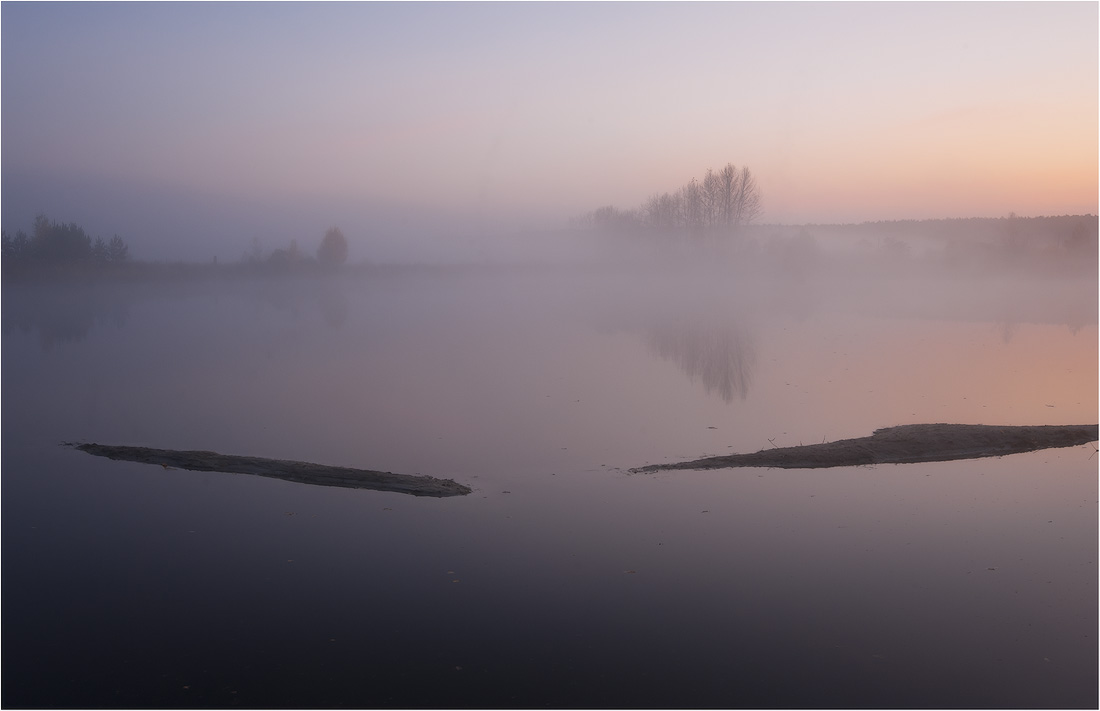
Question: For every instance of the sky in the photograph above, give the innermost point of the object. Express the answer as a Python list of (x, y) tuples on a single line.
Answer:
[(192, 128)]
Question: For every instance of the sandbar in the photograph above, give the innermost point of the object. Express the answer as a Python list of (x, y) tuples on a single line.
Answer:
[(298, 472), (902, 444)]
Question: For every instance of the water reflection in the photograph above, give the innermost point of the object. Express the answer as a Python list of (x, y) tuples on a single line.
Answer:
[(332, 302), (306, 297), (500, 381), (721, 356), (62, 314)]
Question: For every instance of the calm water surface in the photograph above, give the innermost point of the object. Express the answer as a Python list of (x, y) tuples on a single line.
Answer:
[(563, 580)]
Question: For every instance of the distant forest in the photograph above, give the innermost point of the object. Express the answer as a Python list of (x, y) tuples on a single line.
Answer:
[(331, 253), (969, 238), (60, 243), (713, 220), (65, 247)]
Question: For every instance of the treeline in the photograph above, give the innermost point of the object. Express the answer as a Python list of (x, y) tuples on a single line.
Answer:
[(331, 253), (723, 200), (1073, 230), (66, 249), (1062, 245), (59, 243)]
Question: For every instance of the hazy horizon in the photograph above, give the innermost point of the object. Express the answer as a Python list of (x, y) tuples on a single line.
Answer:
[(462, 241), (440, 131)]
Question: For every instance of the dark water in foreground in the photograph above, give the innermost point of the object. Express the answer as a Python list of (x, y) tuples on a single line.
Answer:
[(562, 580)]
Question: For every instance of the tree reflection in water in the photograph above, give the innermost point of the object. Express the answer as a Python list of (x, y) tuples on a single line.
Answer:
[(721, 355), (61, 314)]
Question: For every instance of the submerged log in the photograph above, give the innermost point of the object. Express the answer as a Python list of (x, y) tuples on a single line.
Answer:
[(298, 472), (903, 444)]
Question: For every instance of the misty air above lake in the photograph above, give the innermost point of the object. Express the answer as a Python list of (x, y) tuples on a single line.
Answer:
[(627, 355), (561, 577)]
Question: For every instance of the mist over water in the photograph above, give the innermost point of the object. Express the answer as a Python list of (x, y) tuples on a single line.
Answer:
[(543, 250), (562, 580)]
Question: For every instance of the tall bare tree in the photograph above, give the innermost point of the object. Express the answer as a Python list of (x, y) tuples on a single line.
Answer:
[(692, 195), (746, 204), (712, 199), (727, 178)]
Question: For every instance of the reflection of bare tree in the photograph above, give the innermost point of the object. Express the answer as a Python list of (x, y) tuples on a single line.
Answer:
[(721, 356)]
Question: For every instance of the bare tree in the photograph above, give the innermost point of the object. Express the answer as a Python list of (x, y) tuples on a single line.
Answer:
[(692, 196), (669, 211), (727, 178), (651, 212), (712, 199), (747, 205)]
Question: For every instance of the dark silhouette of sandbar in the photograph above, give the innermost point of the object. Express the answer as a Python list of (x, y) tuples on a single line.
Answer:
[(298, 472), (903, 444)]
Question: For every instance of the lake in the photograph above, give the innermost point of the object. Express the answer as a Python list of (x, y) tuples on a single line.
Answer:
[(563, 580)]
